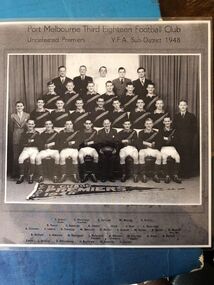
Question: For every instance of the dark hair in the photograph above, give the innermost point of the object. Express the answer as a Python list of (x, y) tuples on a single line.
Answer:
[(121, 68), (20, 102), (148, 119), (115, 99), (109, 81), (100, 98), (61, 66), (139, 68), (50, 83), (49, 121), (30, 120), (83, 66), (102, 67), (70, 81), (183, 100), (40, 99), (151, 83), (129, 83)]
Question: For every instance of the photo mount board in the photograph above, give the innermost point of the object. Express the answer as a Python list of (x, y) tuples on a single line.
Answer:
[(33, 222)]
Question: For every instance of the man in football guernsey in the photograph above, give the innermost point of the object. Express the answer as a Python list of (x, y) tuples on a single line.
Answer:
[(139, 115), (99, 114), (127, 140), (48, 149), (107, 147), (129, 99), (51, 96), (90, 97), (68, 142), (159, 114), (149, 144), (87, 148), (109, 96), (70, 96), (168, 142), (59, 116), (29, 145), (150, 98), (79, 116), (117, 116), (40, 115)]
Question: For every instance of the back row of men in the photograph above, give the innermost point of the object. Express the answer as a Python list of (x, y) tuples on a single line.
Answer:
[(81, 81)]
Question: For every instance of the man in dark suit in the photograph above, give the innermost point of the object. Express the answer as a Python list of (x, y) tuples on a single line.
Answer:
[(185, 124), (141, 83), (61, 81), (81, 81), (120, 83), (106, 144)]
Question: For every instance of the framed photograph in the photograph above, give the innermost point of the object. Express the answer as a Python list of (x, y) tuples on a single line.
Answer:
[(106, 133)]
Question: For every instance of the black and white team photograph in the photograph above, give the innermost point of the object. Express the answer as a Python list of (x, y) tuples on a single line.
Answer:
[(104, 129)]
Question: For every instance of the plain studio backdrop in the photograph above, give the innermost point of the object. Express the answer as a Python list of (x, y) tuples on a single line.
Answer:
[(94, 61)]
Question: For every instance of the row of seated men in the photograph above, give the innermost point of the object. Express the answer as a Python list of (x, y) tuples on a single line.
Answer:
[(97, 108), (103, 146)]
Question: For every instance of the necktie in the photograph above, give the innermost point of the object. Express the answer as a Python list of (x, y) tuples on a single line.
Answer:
[(63, 80), (121, 81)]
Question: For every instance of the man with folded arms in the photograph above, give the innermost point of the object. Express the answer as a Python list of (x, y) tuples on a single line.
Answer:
[(127, 140), (68, 142), (149, 144), (29, 144), (48, 149), (88, 138)]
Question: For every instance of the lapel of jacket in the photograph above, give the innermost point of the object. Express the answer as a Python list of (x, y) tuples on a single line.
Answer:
[(23, 119)]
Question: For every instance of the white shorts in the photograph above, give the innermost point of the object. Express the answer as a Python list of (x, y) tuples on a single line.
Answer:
[(47, 153), (143, 153), (69, 153), (128, 151), (167, 151), (28, 152), (83, 152)]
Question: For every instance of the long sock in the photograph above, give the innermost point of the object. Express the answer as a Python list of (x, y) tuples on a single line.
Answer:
[(21, 169), (63, 169), (32, 169)]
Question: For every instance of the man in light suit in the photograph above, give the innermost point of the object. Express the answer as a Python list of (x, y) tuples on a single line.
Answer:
[(61, 81), (19, 120), (120, 83), (141, 83), (81, 81)]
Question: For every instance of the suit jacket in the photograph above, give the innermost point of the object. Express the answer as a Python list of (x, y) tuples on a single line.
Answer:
[(120, 88), (81, 84), (19, 126), (60, 87), (140, 89), (104, 139), (186, 129)]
